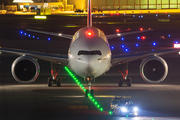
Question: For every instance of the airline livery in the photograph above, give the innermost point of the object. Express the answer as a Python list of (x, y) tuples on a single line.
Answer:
[(89, 56)]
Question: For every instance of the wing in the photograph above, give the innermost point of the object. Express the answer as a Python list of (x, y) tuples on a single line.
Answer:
[(54, 58), (126, 33), (121, 59), (52, 33)]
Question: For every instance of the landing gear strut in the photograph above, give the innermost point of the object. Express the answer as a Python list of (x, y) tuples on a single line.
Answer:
[(54, 80), (91, 91), (124, 78)]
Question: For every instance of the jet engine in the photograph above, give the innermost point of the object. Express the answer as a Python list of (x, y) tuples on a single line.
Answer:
[(154, 69), (25, 69)]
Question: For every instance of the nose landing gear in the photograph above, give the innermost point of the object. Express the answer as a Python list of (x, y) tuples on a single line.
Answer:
[(89, 91)]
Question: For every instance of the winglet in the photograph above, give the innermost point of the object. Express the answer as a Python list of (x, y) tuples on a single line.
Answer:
[(89, 16)]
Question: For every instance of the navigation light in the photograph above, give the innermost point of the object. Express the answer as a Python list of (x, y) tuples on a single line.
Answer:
[(141, 29)]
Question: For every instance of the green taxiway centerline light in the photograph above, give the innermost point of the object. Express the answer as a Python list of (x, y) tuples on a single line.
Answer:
[(82, 87), (110, 112)]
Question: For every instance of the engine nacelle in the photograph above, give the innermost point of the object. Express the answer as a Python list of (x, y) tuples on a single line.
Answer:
[(25, 69), (154, 69)]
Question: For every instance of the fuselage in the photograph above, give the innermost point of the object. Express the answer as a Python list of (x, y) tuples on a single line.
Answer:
[(89, 53)]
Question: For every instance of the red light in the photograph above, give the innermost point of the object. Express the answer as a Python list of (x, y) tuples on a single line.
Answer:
[(117, 30), (89, 33), (118, 13), (111, 14), (128, 29), (143, 37), (141, 29)]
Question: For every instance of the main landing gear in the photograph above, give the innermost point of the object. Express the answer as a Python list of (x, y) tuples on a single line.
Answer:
[(54, 80), (89, 91), (124, 79)]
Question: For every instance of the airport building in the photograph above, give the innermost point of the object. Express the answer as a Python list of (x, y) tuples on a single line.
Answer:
[(135, 4), (71, 5)]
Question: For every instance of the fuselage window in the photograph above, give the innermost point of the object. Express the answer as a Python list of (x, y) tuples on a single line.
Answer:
[(95, 52)]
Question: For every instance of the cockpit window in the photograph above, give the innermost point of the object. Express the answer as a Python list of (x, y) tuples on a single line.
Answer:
[(95, 52)]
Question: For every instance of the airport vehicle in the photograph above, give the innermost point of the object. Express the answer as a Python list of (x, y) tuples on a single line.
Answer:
[(89, 56), (79, 11), (99, 10), (123, 106)]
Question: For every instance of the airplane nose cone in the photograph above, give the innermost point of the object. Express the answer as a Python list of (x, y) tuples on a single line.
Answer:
[(92, 66)]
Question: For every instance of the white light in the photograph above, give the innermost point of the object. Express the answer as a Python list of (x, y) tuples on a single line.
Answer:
[(60, 34), (135, 114), (118, 34), (23, 1), (179, 53), (40, 17), (176, 45), (135, 109), (108, 56), (123, 109)]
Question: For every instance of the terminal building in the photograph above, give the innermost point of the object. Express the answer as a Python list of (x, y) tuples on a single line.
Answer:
[(135, 4), (71, 5)]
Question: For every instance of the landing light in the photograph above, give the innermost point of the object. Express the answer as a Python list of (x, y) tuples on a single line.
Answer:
[(118, 34), (176, 45)]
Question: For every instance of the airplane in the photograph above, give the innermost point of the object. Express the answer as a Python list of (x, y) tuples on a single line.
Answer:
[(89, 56)]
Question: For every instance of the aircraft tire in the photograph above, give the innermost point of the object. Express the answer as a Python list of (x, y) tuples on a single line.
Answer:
[(129, 82), (92, 93), (50, 80), (120, 82), (58, 82), (86, 93)]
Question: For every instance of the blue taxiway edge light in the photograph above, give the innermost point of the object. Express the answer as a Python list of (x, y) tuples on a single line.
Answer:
[(29, 35), (169, 35), (49, 39), (21, 32), (137, 45), (38, 38), (122, 38), (25, 33), (154, 44), (123, 46), (112, 47), (126, 50)]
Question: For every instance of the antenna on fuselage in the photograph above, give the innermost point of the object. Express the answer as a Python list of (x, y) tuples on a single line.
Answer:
[(89, 16)]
